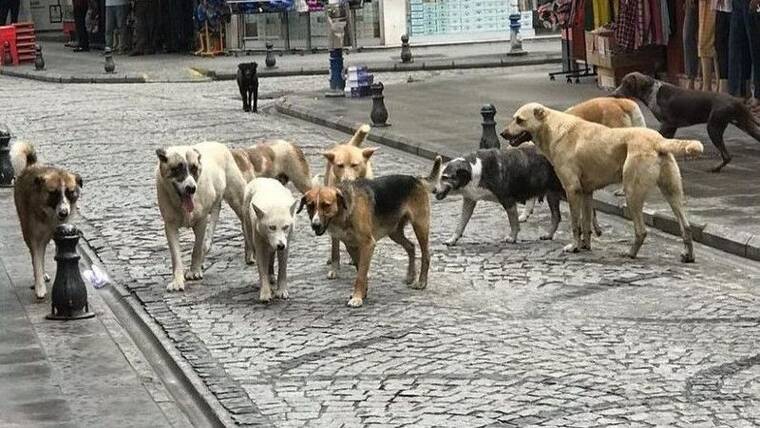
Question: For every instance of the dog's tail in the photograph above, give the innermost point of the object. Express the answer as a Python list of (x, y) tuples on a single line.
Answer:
[(681, 147), (637, 117), (435, 172), (23, 155), (360, 135), (748, 122)]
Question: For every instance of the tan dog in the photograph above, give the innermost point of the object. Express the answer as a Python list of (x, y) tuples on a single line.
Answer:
[(587, 156), (607, 111), (347, 162), (45, 197), (278, 159), (191, 182)]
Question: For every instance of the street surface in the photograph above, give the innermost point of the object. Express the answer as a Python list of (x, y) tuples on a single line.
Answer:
[(506, 334)]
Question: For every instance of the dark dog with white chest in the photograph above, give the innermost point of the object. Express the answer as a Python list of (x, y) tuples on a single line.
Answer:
[(677, 107), (248, 83), (506, 176)]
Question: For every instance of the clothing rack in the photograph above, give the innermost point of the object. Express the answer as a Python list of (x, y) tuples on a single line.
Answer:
[(570, 60)]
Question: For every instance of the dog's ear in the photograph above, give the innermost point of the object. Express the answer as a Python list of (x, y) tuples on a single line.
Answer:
[(161, 153), (259, 213), (79, 181), (330, 156), (539, 113), (198, 156), (342, 202), (301, 204), (368, 152)]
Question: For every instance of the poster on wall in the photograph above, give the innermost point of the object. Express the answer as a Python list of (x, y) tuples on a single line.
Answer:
[(47, 15), (465, 17)]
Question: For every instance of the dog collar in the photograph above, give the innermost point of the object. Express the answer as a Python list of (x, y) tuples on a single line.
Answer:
[(652, 101)]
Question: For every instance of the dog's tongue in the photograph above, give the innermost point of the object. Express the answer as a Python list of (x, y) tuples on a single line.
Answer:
[(187, 203)]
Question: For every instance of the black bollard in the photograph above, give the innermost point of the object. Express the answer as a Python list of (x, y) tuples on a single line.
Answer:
[(39, 61), (69, 295), (270, 60), (489, 139), (6, 167), (7, 58), (406, 50), (379, 114), (110, 66)]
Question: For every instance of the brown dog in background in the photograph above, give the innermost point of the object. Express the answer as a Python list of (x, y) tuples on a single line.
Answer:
[(45, 197), (362, 212), (278, 159)]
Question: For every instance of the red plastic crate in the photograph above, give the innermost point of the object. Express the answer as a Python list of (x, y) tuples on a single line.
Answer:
[(8, 34)]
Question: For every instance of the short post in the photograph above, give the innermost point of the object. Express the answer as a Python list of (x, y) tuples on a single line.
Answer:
[(379, 114), (39, 61), (489, 139), (110, 66), (515, 40), (7, 58), (270, 61), (6, 167), (69, 295), (406, 50)]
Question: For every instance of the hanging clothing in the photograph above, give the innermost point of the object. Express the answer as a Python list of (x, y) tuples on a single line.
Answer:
[(706, 47), (744, 49), (601, 13), (665, 16), (690, 56)]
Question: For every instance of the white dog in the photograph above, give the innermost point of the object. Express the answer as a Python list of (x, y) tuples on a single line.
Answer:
[(191, 182), (271, 209)]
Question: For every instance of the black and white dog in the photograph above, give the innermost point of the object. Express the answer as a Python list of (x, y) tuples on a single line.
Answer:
[(248, 83), (506, 176)]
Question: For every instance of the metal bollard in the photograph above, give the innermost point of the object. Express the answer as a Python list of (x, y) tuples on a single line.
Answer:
[(69, 295), (110, 66), (489, 139), (379, 114), (515, 41), (39, 61), (406, 50), (7, 58), (6, 167), (270, 61)]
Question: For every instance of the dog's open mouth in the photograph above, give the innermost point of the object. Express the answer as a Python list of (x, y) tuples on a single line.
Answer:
[(441, 195), (516, 140), (187, 202)]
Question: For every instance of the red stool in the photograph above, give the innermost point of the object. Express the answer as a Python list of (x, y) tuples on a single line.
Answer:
[(8, 34)]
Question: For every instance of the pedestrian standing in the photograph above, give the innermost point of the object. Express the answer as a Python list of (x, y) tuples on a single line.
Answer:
[(116, 20), (80, 20), (744, 48), (145, 27), (9, 9)]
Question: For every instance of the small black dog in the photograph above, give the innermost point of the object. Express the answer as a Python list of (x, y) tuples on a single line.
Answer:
[(248, 83), (677, 107)]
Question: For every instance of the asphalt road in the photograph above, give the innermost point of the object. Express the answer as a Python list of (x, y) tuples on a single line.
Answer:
[(514, 334)]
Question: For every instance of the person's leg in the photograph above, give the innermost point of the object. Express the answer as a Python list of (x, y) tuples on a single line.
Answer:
[(110, 25), (15, 5), (691, 61), (5, 10), (80, 15), (753, 34), (722, 27), (706, 47), (121, 24), (738, 52), (140, 42)]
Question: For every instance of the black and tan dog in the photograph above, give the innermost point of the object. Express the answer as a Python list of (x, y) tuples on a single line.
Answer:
[(362, 212), (677, 107), (248, 84), (45, 196)]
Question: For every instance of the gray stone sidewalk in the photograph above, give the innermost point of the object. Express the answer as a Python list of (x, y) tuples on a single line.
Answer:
[(443, 117), (65, 66), (85, 373)]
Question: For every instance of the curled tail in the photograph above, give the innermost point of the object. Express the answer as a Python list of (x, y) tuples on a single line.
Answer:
[(360, 135), (680, 147), (23, 155), (435, 173)]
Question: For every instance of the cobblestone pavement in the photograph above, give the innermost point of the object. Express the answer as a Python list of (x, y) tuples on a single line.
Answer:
[(513, 335)]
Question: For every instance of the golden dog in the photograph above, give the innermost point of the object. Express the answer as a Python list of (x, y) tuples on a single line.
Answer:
[(587, 156)]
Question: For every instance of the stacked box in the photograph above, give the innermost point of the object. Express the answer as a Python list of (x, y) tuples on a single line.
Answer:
[(358, 81)]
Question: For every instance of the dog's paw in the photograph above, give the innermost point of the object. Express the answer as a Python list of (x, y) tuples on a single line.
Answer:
[(627, 255), (418, 285), (265, 296), (597, 231), (282, 294), (570, 248), (409, 280), (246, 109), (510, 240), (176, 286), (40, 292), (355, 302), (46, 277), (546, 237), (687, 258), (193, 275), (332, 274), (451, 242), (523, 218)]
